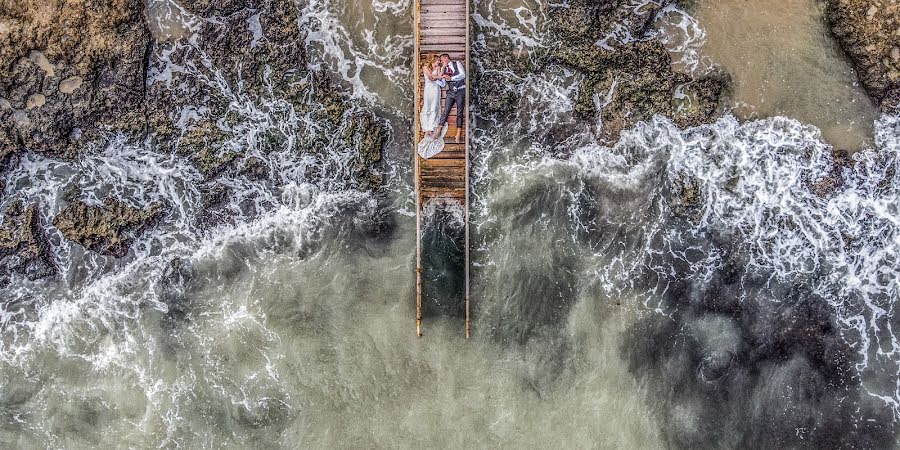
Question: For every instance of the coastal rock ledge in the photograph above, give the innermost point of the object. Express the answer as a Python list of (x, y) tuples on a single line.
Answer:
[(108, 229), (23, 245), (869, 31)]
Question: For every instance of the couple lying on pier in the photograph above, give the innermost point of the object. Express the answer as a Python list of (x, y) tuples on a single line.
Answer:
[(440, 73)]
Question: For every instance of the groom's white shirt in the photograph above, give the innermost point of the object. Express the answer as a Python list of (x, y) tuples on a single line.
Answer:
[(457, 74)]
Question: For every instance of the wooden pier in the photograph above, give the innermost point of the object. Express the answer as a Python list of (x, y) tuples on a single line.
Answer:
[(442, 26)]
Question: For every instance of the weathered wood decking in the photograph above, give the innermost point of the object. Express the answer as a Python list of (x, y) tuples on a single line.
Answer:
[(442, 26)]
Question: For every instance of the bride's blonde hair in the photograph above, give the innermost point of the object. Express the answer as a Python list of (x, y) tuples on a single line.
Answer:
[(429, 59)]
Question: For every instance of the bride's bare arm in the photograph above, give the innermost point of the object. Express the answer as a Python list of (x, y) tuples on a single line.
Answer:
[(428, 73)]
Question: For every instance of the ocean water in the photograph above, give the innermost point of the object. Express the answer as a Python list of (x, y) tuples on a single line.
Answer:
[(704, 287)]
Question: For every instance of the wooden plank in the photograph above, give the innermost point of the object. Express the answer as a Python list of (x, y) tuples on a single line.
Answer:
[(450, 186), (436, 182), (458, 8), (457, 11), (459, 193), (447, 176), (441, 162), (450, 176), (433, 164), (427, 32), (447, 154), (443, 171), (443, 21), (443, 40)]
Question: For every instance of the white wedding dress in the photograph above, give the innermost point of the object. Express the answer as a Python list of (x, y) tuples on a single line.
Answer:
[(428, 118)]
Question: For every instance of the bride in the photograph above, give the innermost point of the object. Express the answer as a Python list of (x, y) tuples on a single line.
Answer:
[(431, 144)]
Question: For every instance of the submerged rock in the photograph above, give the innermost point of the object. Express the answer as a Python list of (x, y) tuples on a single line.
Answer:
[(869, 31), (23, 244), (214, 200), (67, 65), (108, 229)]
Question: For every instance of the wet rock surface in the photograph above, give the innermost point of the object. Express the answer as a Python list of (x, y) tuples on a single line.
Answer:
[(260, 51), (625, 74), (108, 229), (23, 244), (69, 70), (869, 31), (73, 72), (627, 78)]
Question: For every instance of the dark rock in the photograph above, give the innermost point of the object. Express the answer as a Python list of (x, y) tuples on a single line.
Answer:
[(68, 70), (745, 337), (831, 183), (108, 229), (203, 144), (213, 203), (267, 67), (23, 245), (498, 88), (365, 135), (698, 101), (627, 78), (255, 168), (867, 30)]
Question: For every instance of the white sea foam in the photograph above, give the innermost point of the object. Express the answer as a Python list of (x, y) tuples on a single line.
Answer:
[(521, 25), (754, 184), (683, 36), (102, 316), (366, 61)]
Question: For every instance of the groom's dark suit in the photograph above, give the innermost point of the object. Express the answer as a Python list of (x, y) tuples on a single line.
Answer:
[(456, 93)]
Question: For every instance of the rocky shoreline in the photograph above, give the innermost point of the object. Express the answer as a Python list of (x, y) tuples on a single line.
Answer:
[(73, 74), (70, 75), (869, 32), (628, 78), (627, 74)]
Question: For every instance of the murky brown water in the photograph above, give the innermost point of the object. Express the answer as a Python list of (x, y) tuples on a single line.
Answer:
[(166, 19), (785, 62)]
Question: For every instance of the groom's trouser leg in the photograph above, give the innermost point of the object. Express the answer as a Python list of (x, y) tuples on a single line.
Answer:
[(451, 99)]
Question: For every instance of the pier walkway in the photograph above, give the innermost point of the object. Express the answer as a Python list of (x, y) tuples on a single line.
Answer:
[(442, 26)]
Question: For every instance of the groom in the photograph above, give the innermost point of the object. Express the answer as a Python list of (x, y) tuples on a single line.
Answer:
[(455, 75)]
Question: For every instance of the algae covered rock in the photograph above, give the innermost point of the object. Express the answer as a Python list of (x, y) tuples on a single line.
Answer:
[(628, 77), (23, 245), (697, 101), (499, 88), (365, 137), (260, 53), (869, 31), (69, 69), (108, 229), (202, 143)]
